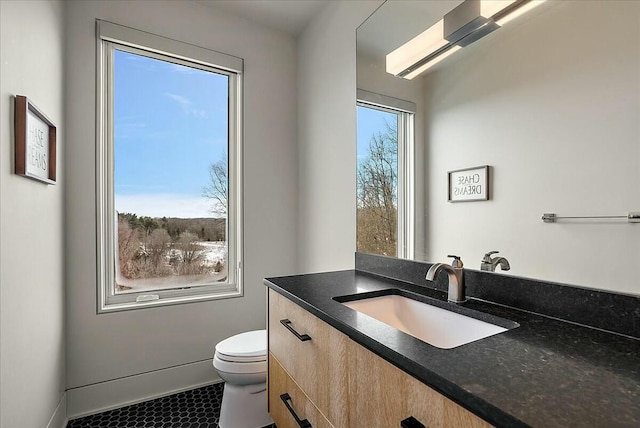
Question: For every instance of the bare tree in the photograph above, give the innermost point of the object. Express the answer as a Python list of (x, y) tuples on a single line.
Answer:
[(158, 244), (377, 182), (128, 249), (191, 255), (218, 187)]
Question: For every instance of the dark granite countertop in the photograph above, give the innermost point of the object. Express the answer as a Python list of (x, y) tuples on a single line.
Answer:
[(544, 373)]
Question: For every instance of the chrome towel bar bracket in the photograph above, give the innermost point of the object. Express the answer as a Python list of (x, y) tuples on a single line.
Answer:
[(631, 217)]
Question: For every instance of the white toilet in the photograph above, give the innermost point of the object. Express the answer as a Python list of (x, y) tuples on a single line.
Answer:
[(241, 361)]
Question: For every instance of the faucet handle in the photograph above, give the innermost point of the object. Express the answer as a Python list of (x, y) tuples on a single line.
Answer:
[(456, 263), (487, 256)]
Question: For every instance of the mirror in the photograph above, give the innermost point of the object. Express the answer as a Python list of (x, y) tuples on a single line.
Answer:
[(551, 102)]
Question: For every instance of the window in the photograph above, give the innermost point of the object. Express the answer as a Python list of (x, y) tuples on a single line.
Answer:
[(385, 175), (168, 171)]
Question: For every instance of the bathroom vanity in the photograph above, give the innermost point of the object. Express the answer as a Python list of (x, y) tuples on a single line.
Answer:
[(332, 366), (336, 382)]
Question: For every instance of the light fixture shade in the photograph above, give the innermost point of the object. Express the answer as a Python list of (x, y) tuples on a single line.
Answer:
[(468, 22), (436, 59), (416, 49)]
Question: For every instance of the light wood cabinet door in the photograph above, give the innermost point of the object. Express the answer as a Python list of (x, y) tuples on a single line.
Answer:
[(435, 410), (350, 386), (318, 365), (383, 395), (377, 392), (299, 404)]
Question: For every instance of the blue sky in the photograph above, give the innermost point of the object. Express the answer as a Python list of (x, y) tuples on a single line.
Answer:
[(170, 124), (370, 122)]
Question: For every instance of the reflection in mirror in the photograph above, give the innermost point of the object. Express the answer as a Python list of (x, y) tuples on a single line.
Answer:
[(551, 102), (377, 181), (385, 130)]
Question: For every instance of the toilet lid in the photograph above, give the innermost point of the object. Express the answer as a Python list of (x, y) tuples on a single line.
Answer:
[(247, 345)]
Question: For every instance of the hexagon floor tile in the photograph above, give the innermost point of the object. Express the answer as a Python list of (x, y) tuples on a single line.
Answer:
[(197, 408)]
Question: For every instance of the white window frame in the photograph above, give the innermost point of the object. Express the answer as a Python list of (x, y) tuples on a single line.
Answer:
[(406, 164), (112, 36)]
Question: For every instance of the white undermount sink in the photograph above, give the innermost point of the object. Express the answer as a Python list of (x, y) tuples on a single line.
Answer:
[(439, 327)]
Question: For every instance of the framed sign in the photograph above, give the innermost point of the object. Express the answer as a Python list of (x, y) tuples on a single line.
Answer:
[(470, 184), (35, 154)]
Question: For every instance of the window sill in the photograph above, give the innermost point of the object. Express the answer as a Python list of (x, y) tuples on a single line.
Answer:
[(167, 301)]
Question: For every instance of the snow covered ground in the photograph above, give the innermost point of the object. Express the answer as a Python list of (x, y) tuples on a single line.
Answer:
[(215, 251)]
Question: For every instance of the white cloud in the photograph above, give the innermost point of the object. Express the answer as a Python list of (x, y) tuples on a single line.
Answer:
[(179, 99), (187, 105), (165, 205)]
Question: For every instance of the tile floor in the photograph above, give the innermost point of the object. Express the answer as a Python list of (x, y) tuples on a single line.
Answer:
[(197, 408)]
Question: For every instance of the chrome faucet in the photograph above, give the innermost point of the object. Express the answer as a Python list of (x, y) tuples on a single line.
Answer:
[(456, 278), (489, 264)]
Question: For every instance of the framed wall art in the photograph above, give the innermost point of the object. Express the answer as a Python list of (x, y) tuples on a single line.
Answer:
[(35, 138), (469, 184)]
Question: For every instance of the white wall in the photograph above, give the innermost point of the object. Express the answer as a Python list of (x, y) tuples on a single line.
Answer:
[(553, 106), (103, 350), (327, 136), (31, 215)]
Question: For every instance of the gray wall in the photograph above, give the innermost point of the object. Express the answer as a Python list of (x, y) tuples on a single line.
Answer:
[(31, 215), (105, 350), (327, 136)]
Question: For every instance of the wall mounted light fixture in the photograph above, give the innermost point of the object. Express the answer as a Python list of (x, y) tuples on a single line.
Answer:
[(468, 22)]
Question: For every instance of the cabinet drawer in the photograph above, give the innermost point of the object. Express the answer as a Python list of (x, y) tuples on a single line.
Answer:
[(300, 406), (318, 364), (391, 395), (298, 355)]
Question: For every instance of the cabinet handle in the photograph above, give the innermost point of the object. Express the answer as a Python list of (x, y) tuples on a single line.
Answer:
[(301, 423), (302, 337), (411, 422)]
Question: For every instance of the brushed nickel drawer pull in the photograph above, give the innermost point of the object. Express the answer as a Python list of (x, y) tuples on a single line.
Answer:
[(303, 337), (301, 423)]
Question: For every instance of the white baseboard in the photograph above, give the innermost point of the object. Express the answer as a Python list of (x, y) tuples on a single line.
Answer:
[(96, 398), (59, 417)]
